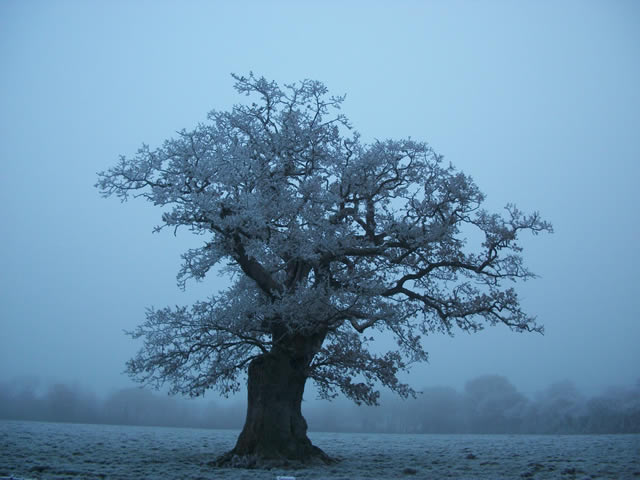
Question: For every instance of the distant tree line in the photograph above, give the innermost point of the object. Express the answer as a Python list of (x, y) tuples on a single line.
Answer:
[(488, 404), (25, 400), (491, 404)]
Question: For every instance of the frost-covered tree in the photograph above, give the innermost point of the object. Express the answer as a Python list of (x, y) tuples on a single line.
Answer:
[(326, 240)]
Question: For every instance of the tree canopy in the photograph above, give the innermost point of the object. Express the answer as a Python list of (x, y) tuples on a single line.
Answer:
[(324, 237)]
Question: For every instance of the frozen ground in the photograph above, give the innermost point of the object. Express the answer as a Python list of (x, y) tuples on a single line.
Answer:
[(56, 451)]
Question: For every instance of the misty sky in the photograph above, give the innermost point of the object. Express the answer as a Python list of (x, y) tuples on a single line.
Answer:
[(538, 101)]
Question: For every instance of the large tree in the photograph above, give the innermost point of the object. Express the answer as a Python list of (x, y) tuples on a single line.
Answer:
[(326, 239)]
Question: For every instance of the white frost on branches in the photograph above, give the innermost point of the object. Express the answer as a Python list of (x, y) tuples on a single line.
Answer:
[(329, 236)]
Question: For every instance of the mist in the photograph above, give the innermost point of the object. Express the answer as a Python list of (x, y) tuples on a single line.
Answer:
[(489, 404), (537, 101)]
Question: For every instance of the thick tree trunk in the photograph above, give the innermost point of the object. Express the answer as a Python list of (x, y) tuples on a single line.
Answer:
[(275, 430)]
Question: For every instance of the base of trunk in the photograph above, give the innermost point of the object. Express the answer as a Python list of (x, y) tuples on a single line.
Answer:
[(312, 456), (275, 432)]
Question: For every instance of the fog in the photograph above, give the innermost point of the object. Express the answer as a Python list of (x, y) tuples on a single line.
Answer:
[(537, 101), (487, 404)]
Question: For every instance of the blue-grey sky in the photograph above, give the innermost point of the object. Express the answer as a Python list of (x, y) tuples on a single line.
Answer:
[(538, 101)]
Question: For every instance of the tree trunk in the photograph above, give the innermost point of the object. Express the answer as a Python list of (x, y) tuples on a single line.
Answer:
[(275, 430)]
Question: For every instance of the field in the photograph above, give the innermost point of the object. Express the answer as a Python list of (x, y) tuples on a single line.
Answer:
[(38, 450)]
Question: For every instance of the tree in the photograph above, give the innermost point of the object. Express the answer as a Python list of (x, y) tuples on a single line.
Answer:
[(560, 408), (495, 405), (326, 239)]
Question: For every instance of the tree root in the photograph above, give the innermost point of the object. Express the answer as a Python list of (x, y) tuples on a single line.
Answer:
[(231, 459)]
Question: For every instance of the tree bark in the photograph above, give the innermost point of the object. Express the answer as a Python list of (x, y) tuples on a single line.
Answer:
[(275, 430)]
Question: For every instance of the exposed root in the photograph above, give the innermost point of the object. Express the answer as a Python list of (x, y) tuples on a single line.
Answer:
[(232, 459)]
